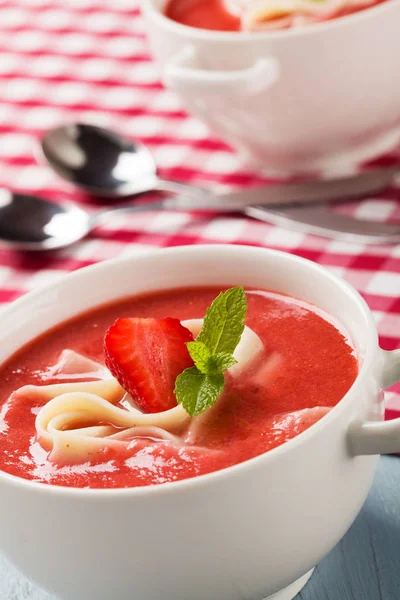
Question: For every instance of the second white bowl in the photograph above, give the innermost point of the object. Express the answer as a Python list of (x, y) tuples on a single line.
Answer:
[(319, 99)]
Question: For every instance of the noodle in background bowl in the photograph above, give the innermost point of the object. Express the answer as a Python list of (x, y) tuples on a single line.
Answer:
[(318, 99), (246, 531)]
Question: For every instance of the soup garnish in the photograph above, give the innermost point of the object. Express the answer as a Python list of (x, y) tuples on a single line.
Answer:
[(219, 381), (199, 387), (146, 356), (158, 362)]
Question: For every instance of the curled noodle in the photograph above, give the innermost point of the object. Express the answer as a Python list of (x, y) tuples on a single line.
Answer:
[(265, 15), (63, 424), (80, 418)]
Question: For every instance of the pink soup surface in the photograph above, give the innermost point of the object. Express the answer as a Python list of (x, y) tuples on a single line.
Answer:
[(306, 362)]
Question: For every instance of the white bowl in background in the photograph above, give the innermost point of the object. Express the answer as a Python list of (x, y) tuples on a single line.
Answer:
[(248, 531), (323, 98)]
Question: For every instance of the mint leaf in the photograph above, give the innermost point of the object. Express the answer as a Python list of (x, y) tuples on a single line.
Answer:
[(220, 362), (197, 391), (208, 363), (199, 387), (200, 355), (224, 321)]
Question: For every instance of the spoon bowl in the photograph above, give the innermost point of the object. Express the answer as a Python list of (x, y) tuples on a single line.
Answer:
[(105, 163), (99, 161), (32, 223)]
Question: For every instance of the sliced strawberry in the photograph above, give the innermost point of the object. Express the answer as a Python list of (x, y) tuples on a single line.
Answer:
[(146, 356)]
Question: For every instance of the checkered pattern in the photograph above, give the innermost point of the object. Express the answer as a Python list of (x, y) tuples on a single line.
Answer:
[(88, 60)]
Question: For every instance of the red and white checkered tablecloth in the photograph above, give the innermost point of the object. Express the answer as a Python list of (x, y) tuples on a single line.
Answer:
[(88, 60)]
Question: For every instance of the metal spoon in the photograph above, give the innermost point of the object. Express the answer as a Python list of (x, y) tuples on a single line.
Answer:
[(32, 223), (105, 163)]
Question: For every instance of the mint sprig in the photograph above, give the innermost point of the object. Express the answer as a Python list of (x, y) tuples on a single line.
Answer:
[(199, 387)]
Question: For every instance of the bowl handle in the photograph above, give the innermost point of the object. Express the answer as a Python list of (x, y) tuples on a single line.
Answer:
[(182, 74), (380, 437)]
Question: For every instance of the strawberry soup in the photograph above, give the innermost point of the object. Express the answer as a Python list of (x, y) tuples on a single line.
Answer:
[(260, 15), (168, 386)]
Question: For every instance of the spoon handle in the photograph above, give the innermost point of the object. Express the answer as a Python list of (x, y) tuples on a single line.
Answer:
[(316, 219), (321, 221), (186, 190), (103, 216), (300, 193)]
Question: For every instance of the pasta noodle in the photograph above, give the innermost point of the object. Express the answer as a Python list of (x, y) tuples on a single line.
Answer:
[(59, 424), (81, 417), (72, 365), (263, 15), (62, 423)]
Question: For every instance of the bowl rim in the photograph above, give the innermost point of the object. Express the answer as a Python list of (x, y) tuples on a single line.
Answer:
[(371, 348), (209, 35)]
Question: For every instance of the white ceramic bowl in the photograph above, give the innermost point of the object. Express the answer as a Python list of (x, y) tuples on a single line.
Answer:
[(248, 531), (323, 98)]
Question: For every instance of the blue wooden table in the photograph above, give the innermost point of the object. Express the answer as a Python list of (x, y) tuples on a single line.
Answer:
[(364, 566)]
